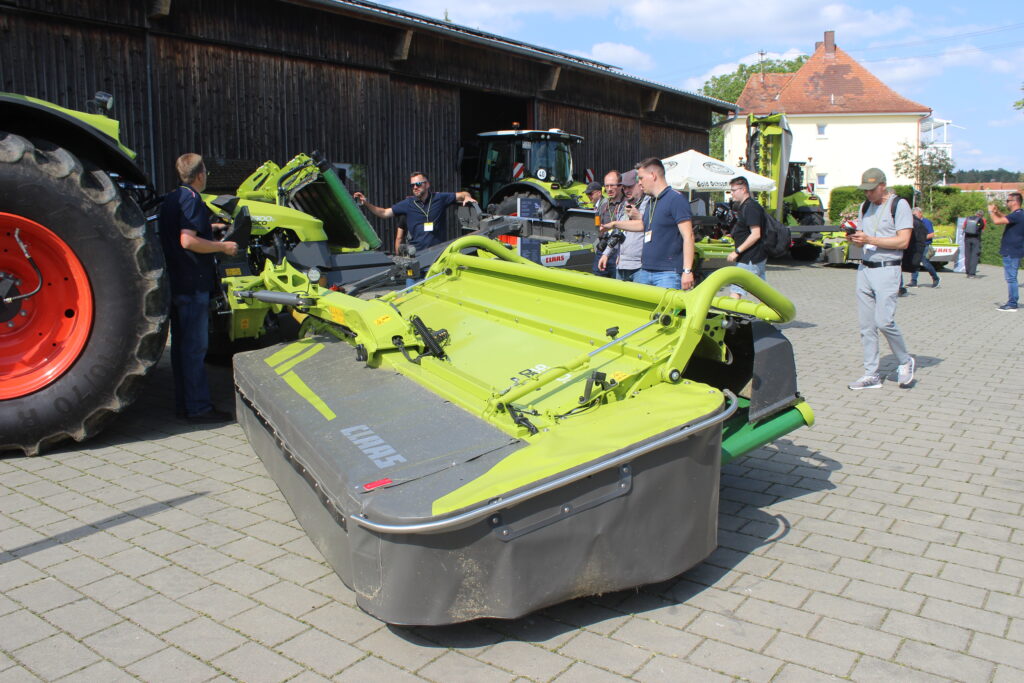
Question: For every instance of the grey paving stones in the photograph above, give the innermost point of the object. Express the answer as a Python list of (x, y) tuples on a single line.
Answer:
[(885, 543)]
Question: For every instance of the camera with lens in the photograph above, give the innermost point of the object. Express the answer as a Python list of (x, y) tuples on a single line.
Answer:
[(610, 240), (725, 215)]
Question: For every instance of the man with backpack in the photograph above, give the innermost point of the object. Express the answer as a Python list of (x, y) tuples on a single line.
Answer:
[(749, 252), (924, 231), (884, 227), (973, 227)]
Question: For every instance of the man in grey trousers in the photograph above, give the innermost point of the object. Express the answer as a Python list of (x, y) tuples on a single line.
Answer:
[(883, 232)]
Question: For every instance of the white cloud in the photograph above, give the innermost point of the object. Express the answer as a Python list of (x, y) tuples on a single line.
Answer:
[(694, 83), (1010, 122), (746, 21), (622, 55)]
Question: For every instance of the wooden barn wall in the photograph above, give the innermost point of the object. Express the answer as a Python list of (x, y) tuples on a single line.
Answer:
[(66, 62), (616, 141), (242, 81)]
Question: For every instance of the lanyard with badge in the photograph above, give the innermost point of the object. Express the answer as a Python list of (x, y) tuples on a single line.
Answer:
[(877, 223), (649, 232), (428, 225)]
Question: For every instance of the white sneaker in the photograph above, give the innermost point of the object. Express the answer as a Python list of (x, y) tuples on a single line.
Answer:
[(905, 373), (866, 382)]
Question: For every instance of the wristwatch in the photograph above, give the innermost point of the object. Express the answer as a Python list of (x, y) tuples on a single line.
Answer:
[(687, 271)]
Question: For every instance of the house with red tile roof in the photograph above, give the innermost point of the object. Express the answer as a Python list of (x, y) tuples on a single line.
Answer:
[(844, 119)]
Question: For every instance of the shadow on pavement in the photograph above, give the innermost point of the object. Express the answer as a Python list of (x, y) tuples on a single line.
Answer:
[(70, 535)]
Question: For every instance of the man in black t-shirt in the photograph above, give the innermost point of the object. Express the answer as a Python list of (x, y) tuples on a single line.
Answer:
[(749, 253), (186, 237), (425, 212)]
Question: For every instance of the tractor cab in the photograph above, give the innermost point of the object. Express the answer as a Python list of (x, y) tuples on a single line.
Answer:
[(512, 156)]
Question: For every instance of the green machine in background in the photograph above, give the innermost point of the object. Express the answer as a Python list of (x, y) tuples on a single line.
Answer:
[(769, 143), (501, 436)]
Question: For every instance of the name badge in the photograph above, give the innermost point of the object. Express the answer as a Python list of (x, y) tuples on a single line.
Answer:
[(428, 227), (648, 235), (869, 248)]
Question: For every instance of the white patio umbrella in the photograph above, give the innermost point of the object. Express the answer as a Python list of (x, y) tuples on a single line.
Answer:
[(692, 170)]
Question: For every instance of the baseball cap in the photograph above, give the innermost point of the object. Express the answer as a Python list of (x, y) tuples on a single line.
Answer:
[(629, 179), (594, 185), (871, 179)]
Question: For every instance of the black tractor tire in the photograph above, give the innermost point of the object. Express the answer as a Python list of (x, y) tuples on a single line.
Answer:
[(801, 250), (98, 223)]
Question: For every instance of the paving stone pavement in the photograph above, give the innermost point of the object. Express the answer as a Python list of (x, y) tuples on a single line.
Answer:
[(885, 543)]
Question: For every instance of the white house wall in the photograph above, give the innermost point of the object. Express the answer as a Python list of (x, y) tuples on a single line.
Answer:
[(852, 143)]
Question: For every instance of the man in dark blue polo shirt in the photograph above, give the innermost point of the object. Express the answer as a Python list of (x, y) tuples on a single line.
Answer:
[(425, 212), (667, 259), (1011, 247), (186, 237)]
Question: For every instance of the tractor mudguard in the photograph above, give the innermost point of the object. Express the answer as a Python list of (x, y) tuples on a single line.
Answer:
[(87, 136)]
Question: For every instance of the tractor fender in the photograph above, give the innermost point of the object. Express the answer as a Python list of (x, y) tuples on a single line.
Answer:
[(35, 120), (561, 203)]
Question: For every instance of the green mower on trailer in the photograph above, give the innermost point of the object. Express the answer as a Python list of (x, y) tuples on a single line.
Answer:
[(769, 143), (501, 436)]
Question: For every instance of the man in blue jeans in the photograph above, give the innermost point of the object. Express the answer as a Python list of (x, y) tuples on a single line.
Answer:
[(668, 252), (186, 237), (1011, 248), (929, 230)]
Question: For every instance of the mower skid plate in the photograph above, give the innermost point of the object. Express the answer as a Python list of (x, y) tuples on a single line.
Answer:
[(370, 462)]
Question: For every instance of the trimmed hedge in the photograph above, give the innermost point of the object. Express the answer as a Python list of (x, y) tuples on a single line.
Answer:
[(842, 197)]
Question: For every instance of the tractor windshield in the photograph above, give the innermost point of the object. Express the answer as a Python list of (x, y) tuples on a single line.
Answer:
[(554, 158)]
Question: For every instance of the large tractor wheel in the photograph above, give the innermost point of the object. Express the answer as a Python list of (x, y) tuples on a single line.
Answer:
[(83, 321)]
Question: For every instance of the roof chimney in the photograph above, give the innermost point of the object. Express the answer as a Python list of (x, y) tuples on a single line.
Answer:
[(817, 45), (830, 42)]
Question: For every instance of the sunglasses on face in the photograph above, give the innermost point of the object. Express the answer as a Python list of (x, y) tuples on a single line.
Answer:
[(419, 184)]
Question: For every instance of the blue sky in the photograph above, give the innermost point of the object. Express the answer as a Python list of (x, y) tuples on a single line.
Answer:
[(964, 60)]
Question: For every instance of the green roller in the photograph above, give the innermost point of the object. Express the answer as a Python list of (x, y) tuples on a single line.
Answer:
[(353, 215), (740, 436)]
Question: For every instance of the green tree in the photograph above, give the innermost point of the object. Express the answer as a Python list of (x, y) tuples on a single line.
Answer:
[(730, 86), (1019, 104), (928, 166)]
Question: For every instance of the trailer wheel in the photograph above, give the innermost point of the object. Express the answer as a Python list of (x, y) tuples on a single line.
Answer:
[(73, 353)]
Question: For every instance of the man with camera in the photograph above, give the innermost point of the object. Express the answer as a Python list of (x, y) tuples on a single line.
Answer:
[(609, 208), (883, 231), (630, 244), (749, 253), (1011, 247)]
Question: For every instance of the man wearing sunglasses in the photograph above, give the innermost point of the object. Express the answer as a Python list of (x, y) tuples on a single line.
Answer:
[(425, 212)]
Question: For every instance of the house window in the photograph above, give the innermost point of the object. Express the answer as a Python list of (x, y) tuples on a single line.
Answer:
[(821, 130), (821, 180)]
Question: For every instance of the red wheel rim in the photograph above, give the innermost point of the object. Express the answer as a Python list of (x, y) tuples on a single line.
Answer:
[(46, 336)]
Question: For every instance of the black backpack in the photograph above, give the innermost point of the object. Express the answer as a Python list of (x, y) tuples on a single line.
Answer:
[(918, 237), (775, 236)]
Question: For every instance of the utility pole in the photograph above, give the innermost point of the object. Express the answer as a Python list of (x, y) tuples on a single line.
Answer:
[(760, 62)]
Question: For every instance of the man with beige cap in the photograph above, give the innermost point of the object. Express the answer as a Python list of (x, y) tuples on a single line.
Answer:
[(883, 232)]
